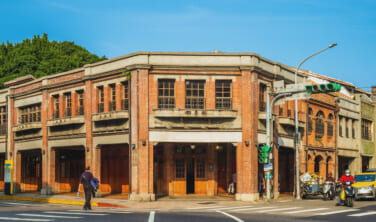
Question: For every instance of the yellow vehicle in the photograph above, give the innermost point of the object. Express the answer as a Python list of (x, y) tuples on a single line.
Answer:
[(365, 184)]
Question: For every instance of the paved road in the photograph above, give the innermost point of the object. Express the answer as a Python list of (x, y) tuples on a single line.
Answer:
[(307, 210)]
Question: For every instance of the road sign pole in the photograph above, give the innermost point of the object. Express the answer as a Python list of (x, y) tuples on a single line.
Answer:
[(268, 119)]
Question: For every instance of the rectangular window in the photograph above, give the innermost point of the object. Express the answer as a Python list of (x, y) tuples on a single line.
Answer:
[(30, 114), (223, 94), (166, 93), (340, 130), (124, 101), (180, 168), (112, 105), (262, 98), (330, 128), (56, 107), (200, 168), (366, 129), (100, 99), (3, 120), (68, 104), (80, 105), (194, 94)]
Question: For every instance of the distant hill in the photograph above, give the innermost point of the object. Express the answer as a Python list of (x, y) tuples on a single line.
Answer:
[(40, 57)]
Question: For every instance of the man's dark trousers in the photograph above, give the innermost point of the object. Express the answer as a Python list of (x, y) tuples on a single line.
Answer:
[(88, 191)]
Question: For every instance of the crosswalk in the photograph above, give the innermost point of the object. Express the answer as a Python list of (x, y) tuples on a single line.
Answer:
[(46, 216), (285, 210)]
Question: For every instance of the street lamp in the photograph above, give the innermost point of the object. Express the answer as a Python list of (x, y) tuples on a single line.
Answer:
[(297, 121)]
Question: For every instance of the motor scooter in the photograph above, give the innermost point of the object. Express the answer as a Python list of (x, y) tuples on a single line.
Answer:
[(328, 190), (349, 193)]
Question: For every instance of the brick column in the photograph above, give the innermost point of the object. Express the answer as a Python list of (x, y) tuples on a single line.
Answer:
[(140, 124), (17, 180), (46, 188), (212, 176), (106, 90), (247, 166), (62, 106), (169, 155), (74, 103), (179, 94), (97, 167), (89, 92), (210, 94), (119, 96)]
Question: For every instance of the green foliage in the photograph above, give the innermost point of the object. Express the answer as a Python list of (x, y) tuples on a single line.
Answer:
[(127, 74), (40, 57)]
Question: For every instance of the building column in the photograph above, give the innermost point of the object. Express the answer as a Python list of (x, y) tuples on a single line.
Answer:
[(168, 153), (17, 169), (97, 167), (247, 165), (107, 95), (47, 171), (74, 97), (119, 96), (90, 92)]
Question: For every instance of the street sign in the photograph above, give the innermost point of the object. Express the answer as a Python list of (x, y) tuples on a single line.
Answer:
[(268, 176), (268, 167), (298, 96), (8, 175)]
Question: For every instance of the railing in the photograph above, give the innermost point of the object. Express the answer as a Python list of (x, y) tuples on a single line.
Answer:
[(262, 106), (289, 113), (56, 114), (194, 103), (166, 102), (112, 105), (68, 111), (100, 107), (223, 103), (80, 110)]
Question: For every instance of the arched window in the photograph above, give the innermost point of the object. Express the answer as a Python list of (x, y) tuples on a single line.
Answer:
[(320, 126), (318, 160), (329, 165), (330, 125), (310, 113)]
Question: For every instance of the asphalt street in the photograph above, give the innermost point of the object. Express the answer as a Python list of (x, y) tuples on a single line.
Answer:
[(305, 210)]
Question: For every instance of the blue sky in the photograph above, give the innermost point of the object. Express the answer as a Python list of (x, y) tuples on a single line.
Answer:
[(285, 31)]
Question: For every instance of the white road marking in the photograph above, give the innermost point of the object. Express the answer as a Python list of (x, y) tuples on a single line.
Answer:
[(18, 204), (51, 216), (151, 216), (111, 212), (363, 214), (257, 208), (302, 211), (23, 219), (228, 208), (279, 209), (231, 216), (337, 212), (75, 213), (196, 208)]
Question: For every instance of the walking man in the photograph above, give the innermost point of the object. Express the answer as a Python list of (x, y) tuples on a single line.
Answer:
[(85, 179)]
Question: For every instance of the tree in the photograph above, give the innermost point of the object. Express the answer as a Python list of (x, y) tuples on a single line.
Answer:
[(41, 57)]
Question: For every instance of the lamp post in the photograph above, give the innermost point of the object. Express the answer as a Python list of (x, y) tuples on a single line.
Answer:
[(297, 121)]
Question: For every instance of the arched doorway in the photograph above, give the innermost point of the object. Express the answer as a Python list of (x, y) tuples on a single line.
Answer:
[(318, 160)]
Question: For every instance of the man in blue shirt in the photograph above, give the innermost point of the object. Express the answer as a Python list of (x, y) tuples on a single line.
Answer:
[(85, 179)]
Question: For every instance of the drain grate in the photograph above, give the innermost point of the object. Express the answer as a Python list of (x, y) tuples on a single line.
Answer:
[(207, 203)]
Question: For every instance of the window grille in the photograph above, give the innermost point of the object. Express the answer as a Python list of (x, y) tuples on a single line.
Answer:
[(320, 126), (112, 103), (223, 94), (366, 129), (3, 121), (262, 98), (195, 94), (80, 105), (200, 168), (166, 94), (100, 99), (57, 107), (124, 101), (68, 104), (29, 114)]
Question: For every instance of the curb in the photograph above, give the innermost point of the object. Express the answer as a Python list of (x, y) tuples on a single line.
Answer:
[(60, 201)]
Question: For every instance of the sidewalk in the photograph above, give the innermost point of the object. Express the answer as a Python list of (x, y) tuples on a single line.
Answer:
[(175, 202)]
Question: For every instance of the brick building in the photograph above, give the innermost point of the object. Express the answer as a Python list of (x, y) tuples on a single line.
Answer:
[(153, 124)]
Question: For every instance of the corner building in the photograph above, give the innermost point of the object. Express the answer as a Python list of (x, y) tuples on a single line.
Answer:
[(150, 125)]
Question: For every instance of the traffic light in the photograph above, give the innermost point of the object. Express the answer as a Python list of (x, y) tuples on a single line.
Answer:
[(323, 88), (263, 154)]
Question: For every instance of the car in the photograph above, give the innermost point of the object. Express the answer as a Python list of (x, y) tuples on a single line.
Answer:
[(365, 184)]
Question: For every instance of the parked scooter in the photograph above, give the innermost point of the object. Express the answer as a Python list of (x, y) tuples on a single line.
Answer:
[(349, 194), (328, 190)]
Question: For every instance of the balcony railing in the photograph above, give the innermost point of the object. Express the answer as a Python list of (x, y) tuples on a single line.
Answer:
[(166, 102), (100, 107), (68, 111), (262, 106), (80, 110), (124, 104), (223, 103), (56, 114), (112, 105), (194, 103)]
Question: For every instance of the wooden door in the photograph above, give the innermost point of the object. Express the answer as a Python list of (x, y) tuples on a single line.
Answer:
[(31, 170), (221, 165), (114, 169), (180, 178), (71, 164), (286, 170), (2, 160)]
